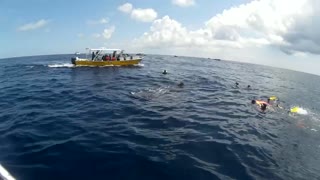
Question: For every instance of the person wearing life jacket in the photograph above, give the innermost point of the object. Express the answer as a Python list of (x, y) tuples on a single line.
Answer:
[(298, 110), (263, 105), (272, 98)]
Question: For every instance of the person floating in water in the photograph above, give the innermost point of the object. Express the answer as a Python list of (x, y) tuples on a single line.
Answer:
[(298, 110), (164, 72), (272, 98), (263, 105), (237, 84), (181, 84)]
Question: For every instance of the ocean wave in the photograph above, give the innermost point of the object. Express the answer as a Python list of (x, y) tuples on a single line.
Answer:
[(138, 120)]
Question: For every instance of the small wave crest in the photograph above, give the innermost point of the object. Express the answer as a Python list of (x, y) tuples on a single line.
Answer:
[(150, 93)]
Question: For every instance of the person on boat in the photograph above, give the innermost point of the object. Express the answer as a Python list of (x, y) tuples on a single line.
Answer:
[(93, 55), (164, 72), (108, 57), (263, 105)]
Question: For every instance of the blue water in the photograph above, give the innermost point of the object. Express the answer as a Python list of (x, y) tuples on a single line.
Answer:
[(64, 122)]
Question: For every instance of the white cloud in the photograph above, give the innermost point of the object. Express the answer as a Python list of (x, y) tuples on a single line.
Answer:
[(107, 33), (183, 3), (169, 33), (126, 8), (291, 26), (144, 15), (138, 14), (34, 25), (99, 21)]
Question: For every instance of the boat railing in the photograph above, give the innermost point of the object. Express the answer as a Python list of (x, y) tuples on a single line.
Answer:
[(123, 57)]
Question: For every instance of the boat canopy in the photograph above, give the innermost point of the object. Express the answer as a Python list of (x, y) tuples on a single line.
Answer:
[(99, 53), (103, 49)]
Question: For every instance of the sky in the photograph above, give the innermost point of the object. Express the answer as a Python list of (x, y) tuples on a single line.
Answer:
[(279, 33)]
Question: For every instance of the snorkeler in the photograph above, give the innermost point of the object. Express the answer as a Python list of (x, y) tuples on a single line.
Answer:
[(298, 110), (272, 98), (164, 72), (263, 105), (181, 84)]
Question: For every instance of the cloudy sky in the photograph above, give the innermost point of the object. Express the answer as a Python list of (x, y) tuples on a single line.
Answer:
[(280, 33)]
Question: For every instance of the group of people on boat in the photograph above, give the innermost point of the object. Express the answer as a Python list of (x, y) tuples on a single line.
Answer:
[(109, 57)]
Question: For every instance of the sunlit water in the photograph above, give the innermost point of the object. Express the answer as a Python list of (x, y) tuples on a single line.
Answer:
[(63, 122)]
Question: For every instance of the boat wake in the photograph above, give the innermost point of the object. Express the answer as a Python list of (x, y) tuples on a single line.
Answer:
[(139, 65), (67, 65)]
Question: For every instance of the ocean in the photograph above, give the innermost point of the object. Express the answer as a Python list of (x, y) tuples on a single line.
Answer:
[(63, 122)]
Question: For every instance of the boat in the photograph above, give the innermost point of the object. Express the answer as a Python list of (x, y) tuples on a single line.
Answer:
[(106, 57)]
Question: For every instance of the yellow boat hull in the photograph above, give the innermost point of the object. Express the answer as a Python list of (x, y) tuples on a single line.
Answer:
[(106, 63)]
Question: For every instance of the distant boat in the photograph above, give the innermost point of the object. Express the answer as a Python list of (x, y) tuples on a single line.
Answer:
[(140, 54), (77, 53), (106, 57), (217, 59), (176, 56)]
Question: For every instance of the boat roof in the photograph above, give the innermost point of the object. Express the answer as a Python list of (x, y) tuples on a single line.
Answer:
[(103, 49)]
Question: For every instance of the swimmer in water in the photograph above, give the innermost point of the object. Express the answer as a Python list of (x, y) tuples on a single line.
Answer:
[(263, 105), (272, 98), (298, 110), (181, 84), (164, 72), (275, 101)]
